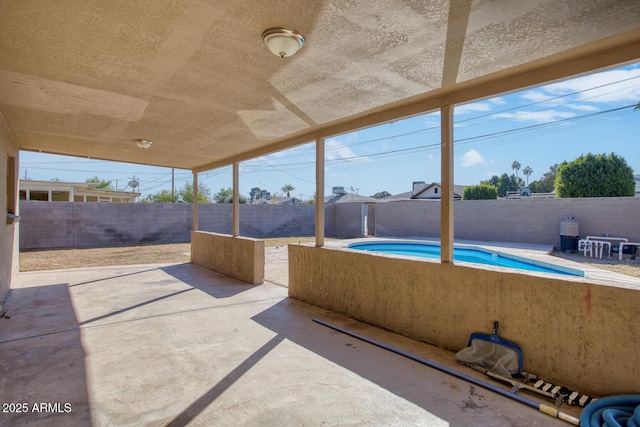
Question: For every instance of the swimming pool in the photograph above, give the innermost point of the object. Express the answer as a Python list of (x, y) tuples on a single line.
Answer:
[(466, 254)]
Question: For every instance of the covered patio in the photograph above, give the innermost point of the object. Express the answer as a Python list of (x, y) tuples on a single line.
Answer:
[(196, 80), (179, 345)]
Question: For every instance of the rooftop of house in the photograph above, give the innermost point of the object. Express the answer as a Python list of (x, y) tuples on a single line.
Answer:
[(65, 185)]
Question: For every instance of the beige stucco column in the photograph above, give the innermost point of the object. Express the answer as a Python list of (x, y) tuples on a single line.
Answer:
[(446, 171), (320, 192), (195, 201), (236, 200)]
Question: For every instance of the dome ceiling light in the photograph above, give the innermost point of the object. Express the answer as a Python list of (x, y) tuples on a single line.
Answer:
[(283, 42), (143, 143)]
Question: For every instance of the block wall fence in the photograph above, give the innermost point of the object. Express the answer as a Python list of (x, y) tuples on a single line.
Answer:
[(68, 224), (518, 221)]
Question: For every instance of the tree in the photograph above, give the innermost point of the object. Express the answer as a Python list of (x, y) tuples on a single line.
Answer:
[(225, 195), (287, 188), (595, 175), (480, 192), (381, 195), (516, 166), (311, 201), (504, 183), (186, 193), (547, 182), (527, 171), (163, 196), (102, 184), (257, 193)]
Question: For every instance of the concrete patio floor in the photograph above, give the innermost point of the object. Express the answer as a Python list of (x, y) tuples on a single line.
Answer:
[(177, 345)]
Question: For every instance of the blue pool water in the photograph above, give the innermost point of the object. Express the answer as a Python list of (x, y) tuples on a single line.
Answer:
[(477, 256)]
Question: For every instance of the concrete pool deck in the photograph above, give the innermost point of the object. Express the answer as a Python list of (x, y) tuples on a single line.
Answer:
[(276, 269), (177, 344)]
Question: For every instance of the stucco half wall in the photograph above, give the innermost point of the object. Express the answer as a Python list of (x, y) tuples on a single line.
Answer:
[(581, 335), (239, 257)]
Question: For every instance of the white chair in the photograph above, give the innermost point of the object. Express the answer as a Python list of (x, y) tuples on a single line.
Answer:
[(585, 245)]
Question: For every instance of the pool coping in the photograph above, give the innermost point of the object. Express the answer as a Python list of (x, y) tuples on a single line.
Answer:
[(556, 269)]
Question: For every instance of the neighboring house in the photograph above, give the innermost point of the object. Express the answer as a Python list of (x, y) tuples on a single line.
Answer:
[(278, 201), (60, 191), (637, 179), (339, 195), (424, 191)]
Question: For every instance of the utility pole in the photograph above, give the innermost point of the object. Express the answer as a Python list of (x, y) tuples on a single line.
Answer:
[(25, 174), (116, 180)]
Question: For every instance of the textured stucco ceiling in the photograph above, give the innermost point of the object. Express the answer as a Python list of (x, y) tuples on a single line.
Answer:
[(85, 77)]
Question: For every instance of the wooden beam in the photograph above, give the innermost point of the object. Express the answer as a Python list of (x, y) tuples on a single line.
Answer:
[(319, 192), (459, 11), (236, 200), (446, 171), (195, 201)]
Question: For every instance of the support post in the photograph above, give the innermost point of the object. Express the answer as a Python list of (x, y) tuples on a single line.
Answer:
[(195, 201), (236, 201), (319, 192), (446, 171)]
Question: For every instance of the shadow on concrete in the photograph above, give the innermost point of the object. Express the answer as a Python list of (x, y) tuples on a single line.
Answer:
[(88, 282), (215, 284), (441, 394), (43, 359), (133, 307), (206, 399)]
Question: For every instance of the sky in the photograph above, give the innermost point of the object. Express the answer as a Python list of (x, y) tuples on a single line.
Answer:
[(537, 127)]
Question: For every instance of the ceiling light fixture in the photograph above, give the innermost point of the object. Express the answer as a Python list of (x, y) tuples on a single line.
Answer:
[(283, 42), (143, 143)]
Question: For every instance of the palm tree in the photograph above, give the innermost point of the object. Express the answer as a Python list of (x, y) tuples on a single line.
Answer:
[(516, 166), (287, 188), (527, 171)]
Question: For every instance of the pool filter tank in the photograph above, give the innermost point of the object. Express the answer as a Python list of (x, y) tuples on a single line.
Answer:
[(569, 235)]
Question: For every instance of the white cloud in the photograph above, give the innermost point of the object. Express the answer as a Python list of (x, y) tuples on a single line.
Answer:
[(536, 116), (480, 106), (580, 94), (271, 159), (474, 106), (335, 150), (536, 96), (614, 91), (583, 107), (472, 158)]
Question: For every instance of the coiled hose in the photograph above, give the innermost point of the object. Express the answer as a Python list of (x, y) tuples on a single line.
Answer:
[(612, 411)]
